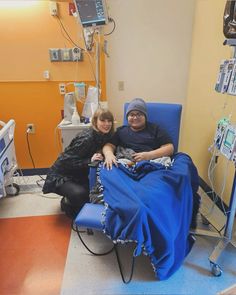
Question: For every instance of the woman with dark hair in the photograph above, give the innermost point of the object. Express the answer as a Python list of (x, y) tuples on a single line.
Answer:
[(68, 176)]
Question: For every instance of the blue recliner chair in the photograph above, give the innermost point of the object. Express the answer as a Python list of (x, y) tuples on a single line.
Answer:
[(168, 117)]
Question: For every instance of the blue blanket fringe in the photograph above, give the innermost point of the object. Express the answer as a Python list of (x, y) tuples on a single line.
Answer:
[(152, 206)]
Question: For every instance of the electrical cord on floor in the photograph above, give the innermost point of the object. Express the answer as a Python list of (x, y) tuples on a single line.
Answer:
[(223, 227), (46, 197), (23, 180), (120, 267), (29, 149), (31, 157), (74, 227), (96, 254)]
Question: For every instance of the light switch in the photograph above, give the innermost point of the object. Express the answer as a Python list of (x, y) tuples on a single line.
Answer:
[(121, 85), (46, 74)]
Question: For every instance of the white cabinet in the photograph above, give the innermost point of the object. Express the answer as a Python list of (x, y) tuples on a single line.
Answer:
[(69, 131)]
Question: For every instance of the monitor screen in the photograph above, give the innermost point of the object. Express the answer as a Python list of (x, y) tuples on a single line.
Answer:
[(229, 138), (92, 12)]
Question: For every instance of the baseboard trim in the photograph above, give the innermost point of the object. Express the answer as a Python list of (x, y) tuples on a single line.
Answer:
[(31, 172)]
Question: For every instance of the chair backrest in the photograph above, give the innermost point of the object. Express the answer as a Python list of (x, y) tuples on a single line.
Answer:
[(165, 115)]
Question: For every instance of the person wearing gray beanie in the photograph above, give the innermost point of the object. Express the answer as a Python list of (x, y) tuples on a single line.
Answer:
[(147, 140), (137, 104)]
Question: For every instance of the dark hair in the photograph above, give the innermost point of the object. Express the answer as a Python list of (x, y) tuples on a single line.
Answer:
[(103, 114)]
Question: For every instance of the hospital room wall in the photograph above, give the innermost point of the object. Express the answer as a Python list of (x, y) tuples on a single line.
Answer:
[(27, 32), (156, 69), (177, 62), (149, 51), (204, 106)]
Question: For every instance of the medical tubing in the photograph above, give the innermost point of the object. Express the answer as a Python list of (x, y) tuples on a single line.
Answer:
[(223, 188), (211, 179), (210, 174), (114, 26), (64, 29)]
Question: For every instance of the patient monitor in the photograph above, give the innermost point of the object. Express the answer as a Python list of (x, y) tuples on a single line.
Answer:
[(220, 131), (225, 139), (228, 145), (92, 12)]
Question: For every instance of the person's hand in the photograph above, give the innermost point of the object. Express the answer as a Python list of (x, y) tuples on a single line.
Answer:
[(141, 156), (97, 157), (110, 159)]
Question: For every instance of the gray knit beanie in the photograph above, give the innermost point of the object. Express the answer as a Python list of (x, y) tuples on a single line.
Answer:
[(137, 104)]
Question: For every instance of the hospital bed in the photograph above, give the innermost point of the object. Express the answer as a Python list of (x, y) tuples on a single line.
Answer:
[(8, 163), (91, 216)]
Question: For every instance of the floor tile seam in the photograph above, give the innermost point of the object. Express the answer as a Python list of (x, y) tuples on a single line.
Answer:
[(30, 216)]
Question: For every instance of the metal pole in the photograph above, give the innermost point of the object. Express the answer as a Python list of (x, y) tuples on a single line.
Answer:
[(98, 65), (232, 210)]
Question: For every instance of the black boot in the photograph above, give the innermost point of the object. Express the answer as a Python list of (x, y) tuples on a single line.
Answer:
[(68, 208)]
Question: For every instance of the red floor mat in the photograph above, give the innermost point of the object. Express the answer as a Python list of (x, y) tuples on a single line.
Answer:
[(33, 254)]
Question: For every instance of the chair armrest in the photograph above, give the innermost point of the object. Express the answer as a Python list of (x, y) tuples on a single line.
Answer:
[(90, 216)]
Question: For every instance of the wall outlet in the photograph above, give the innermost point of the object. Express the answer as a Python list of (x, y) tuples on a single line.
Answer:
[(30, 128), (53, 8), (62, 88)]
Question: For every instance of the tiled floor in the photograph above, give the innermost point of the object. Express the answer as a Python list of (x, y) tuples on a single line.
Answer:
[(40, 254)]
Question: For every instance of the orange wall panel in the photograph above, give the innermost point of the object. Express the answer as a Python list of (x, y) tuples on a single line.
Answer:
[(27, 32), (38, 103)]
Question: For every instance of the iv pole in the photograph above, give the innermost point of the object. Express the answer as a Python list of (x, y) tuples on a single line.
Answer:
[(98, 52), (88, 40), (227, 237)]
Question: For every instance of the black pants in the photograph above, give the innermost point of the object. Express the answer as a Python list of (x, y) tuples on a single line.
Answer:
[(77, 194)]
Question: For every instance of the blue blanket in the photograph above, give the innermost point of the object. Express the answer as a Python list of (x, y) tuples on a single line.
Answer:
[(152, 205)]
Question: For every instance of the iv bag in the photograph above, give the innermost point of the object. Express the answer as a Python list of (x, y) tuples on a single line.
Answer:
[(69, 106), (229, 25), (80, 91), (91, 103)]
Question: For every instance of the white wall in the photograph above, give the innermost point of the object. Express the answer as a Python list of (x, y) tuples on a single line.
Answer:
[(149, 50)]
